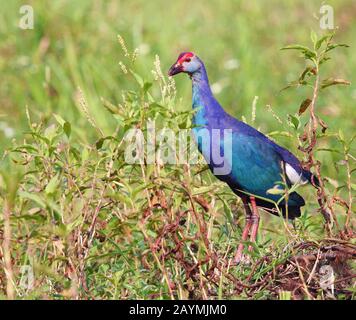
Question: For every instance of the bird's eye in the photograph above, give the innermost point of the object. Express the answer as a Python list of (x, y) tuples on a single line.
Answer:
[(188, 60)]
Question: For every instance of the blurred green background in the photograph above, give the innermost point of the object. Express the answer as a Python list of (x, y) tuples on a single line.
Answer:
[(74, 43)]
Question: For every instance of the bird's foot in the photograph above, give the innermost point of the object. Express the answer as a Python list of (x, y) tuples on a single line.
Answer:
[(240, 259)]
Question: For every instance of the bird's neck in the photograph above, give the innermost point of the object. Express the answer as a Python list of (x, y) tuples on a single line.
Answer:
[(200, 87), (203, 98)]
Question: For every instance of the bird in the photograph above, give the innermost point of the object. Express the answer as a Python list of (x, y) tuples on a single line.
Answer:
[(253, 165)]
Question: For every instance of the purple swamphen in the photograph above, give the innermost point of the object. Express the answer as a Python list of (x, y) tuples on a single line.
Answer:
[(255, 164)]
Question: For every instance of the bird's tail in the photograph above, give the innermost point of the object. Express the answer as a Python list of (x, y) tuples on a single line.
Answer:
[(312, 178), (292, 210)]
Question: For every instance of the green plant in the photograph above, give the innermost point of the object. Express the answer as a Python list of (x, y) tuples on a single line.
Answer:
[(316, 129), (91, 225)]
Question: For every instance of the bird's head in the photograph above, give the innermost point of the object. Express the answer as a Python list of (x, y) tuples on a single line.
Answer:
[(187, 62)]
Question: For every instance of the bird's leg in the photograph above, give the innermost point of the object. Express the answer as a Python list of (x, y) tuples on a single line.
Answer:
[(245, 232), (255, 221)]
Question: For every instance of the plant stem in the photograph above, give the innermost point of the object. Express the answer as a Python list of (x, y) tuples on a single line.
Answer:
[(313, 126), (10, 289), (349, 209)]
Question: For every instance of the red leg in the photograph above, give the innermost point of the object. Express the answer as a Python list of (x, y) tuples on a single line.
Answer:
[(255, 221), (245, 232)]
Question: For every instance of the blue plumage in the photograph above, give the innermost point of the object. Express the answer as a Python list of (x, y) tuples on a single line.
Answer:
[(256, 160), (256, 163)]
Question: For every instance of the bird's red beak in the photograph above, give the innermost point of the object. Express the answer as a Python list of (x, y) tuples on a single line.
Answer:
[(175, 69)]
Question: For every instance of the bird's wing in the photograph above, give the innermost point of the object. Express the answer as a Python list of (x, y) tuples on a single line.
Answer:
[(256, 166), (292, 166)]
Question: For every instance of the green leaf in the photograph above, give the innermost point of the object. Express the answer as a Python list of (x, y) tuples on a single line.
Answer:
[(75, 152), (202, 190), (329, 150), (227, 211), (110, 107), (313, 37), (121, 197), (280, 133), (85, 154), (67, 129), (64, 124), (119, 119), (71, 226), (147, 86), (324, 59), (138, 79), (333, 46), (276, 190), (59, 119), (320, 41), (100, 142), (36, 135), (294, 120), (33, 197), (50, 132), (332, 82), (341, 136), (26, 147), (296, 83), (52, 185), (296, 47), (144, 186), (308, 53)]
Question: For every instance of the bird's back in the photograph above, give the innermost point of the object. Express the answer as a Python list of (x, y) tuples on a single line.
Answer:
[(256, 163)]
